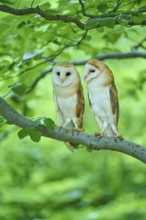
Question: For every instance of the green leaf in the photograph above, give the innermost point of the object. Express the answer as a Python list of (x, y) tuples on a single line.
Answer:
[(89, 149), (19, 88), (102, 7), (23, 133), (34, 134), (2, 121), (107, 22), (50, 125), (137, 18), (124, 19), (92, 23)]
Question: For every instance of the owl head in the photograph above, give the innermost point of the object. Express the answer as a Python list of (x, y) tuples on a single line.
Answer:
[(96, 69), (64, 74)]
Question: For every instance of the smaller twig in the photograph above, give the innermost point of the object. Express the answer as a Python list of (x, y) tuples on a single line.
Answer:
[(140, 44), (83, 10), (32, 3), (35, 82), (18, 5), (6, 94), (26, 70)]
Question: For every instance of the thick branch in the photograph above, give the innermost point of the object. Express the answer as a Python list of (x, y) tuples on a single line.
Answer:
[(92, 142), (64, 18), (37, 10)]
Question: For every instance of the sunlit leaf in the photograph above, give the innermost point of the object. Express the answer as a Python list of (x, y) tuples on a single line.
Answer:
[(28, 55)]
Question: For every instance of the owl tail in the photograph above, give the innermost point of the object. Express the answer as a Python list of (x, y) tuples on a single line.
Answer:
[(71, 146)]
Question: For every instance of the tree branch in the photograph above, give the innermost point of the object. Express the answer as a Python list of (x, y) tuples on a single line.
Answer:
[(64, 18), (134, 54), (37, 10), (109, 14), (128, 55), (79, 63), (90, 141)]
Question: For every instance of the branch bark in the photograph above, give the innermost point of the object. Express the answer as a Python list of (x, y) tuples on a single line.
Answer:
[(90, 141)]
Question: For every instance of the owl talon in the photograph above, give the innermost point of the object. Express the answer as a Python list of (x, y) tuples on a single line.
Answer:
[(99, 134), (79, 129), (71, 146), (119, 137)]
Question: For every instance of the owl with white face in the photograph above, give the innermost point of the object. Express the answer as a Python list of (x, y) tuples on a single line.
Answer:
[(68, 97), (103, 96)]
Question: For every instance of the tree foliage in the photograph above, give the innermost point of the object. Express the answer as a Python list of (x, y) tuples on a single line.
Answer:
[(40, 179)]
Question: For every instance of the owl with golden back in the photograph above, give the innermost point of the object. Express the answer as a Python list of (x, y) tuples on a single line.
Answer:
[(103, 96), (68, 97)]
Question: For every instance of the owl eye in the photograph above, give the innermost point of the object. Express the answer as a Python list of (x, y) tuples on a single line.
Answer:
[(68, 74), (91, 71), (58, 73)]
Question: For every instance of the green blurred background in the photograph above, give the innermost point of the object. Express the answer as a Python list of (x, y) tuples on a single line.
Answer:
[(45, 181)]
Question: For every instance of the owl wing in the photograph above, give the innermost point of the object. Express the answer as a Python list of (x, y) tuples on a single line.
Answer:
[(114, 101), (80, 106), (58, 112)]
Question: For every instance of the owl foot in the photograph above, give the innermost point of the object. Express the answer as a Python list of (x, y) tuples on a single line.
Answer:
[(99, 134), (59, 126), (79, 129), (71, 146), (119, 136)]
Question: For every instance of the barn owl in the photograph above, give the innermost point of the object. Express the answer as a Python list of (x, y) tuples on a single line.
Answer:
[(68, 97), (103, 96)]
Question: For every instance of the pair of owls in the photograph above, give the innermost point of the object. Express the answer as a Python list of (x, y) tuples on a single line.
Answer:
[(69, 99)]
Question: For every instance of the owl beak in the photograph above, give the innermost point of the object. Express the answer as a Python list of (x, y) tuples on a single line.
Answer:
[(62, 78)]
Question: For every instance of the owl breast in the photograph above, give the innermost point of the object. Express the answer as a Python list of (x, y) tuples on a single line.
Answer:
[(99, 99), (64, 91), (67, 106)]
